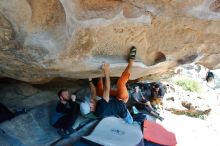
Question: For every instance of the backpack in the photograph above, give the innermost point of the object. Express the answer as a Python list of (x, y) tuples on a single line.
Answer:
[(209, 75)]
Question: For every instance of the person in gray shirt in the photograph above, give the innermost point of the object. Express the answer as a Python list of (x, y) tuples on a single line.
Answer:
[(141, 103)]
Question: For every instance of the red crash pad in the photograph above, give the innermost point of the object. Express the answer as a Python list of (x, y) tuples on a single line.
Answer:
[(158, 134)]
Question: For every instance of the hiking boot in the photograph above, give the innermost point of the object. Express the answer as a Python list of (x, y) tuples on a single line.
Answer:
[(160, 118), (63, 133), (157, 113), (154, 107)]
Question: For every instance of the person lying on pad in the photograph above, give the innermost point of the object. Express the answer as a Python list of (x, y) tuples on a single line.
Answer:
[(115, 106)]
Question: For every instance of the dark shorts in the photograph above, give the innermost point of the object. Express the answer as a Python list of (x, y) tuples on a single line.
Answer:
[(114, 107), (143, 108)]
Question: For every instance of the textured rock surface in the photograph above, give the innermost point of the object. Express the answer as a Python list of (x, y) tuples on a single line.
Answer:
[(182, 102), (20, 95), (32, 128), (16, 94), (41, 40)]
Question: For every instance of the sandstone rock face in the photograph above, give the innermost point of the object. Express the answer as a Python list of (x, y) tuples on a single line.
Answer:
[(16, 94), (41, 40)]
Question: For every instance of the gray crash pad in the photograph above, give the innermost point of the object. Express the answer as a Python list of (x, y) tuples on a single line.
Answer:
[(113, 131)]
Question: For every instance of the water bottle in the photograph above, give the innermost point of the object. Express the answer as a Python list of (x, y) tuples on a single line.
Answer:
[(135, 110)]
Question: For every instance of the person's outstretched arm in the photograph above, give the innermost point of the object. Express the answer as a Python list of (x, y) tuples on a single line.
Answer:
[(93, 99), (107, 82), (93, 89)]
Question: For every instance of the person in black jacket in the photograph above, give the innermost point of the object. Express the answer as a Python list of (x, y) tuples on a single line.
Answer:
[(69, 109), (209, 77)]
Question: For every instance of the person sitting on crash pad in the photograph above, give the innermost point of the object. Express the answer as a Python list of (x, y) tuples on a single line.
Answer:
[(142, 104), (157, 94), (154, 92), (66, 113), (115, 106)]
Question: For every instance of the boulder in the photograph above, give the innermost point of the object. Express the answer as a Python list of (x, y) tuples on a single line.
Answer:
[(182, 102), (42, 40), (38, 99), (25, 89), (20, 95), (32, 128)]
